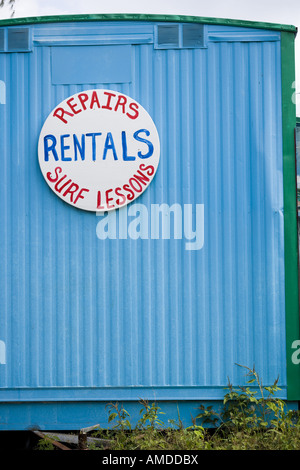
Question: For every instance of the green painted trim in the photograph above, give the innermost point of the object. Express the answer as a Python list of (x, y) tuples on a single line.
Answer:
[(298, 120), (143, 17), (290, 213)]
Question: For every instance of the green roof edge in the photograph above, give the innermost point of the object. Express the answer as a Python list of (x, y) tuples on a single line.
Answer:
[(146, 17)]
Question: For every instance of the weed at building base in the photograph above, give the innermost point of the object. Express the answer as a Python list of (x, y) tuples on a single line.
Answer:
[(252, 418)]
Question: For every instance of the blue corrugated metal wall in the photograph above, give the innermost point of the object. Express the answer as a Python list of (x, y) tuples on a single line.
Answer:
[(88, 319)]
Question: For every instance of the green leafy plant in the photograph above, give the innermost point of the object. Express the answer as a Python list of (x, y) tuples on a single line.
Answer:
[(247, 407), (44, 444), (149, 415), (251, 417), (119, 415)]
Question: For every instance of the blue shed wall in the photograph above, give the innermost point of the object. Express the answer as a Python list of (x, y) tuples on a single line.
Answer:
[(142, 313)]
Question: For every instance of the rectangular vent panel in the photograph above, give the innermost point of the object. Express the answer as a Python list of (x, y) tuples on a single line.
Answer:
[(192, 35), (168, 35), (179, 36), (18, 40), (2, 43)]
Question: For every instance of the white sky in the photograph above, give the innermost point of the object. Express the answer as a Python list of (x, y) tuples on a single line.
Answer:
[(273, 11)]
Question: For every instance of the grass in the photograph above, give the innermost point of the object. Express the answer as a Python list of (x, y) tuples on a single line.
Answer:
[(252, 418)]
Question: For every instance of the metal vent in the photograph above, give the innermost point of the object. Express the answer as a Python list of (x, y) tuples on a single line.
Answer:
[(168, 35), (192, 35), (2, 45), (18, 40), (179, 36)]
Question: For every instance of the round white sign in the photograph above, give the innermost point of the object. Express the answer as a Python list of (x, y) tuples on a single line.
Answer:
[(99, 150)]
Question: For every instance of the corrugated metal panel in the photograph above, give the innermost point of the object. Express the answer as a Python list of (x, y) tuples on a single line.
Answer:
[(85, 318)]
